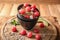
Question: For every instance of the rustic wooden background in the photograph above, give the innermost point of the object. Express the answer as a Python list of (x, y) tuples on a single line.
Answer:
[(8, 8), (32, 1)]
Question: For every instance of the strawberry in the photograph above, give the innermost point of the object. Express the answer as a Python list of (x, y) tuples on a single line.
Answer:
[(36, 30), (32, 9), (28, 9), (35, 10), (33, 15), (27, 16), (14, 29), (36, 14), (33, 6), (41, 25), (26, 4), (29, 35), (22, 11), (23, 32), (38, 37)]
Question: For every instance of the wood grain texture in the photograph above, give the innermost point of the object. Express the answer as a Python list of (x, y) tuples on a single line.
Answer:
[(14, 10), (6, 10), (54, 12), (1, 6), (32, 1), (58, 7), (44, 10)]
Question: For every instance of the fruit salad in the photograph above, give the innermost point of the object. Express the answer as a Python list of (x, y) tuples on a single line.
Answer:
[(29, 11)]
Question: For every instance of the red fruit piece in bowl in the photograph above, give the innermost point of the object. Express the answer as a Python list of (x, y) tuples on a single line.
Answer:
[(29, 35), (38, 37), (41, 25), (32, 9), (23, 32), (36, 14), (26, 4), (22, 11), (36, 30), (33, 6), (28, 9), (14, 29), (27, 16)]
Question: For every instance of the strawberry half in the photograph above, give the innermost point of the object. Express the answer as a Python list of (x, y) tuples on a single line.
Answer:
[(36, 14), (28, 9), (41, 25), (33, 6), (36, 30), (38, 37), (27, 16), (22, 11), (29, 35), (32, 9), (14, 29), (23, 32), (26, 4)]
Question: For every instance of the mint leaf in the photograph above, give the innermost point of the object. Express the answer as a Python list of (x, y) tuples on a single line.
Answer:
[(14, 22)]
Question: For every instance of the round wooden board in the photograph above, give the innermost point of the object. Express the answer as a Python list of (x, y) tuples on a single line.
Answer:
[(48, 33)]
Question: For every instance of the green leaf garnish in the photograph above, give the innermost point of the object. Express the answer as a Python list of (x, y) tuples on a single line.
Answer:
[(14, 22)]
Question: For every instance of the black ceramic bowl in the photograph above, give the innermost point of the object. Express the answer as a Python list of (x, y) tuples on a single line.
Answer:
[(26, 23)]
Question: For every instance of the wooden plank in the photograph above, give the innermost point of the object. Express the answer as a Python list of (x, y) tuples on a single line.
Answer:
[(54, 12), (2, 21), (14, 10), (1, 6), (19, 1), (44, 10), (58, 7), (6, 10)]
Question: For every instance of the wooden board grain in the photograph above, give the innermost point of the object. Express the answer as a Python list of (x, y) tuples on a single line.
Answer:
[(14, 10), (32, 1), (1, 6), (54, 11), (44, 10), (6, 10), (58, 7)]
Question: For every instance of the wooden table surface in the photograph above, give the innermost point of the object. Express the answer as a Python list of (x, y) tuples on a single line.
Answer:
[(8, 10)]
